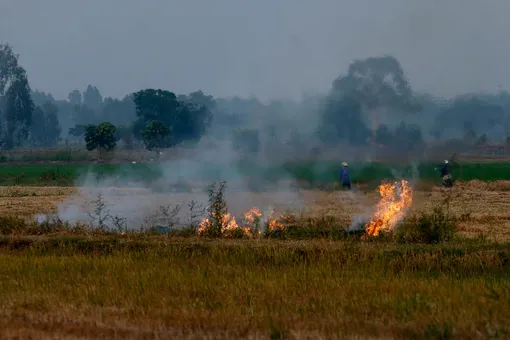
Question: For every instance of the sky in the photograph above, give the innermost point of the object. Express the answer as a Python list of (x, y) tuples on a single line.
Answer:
[(263, 48)]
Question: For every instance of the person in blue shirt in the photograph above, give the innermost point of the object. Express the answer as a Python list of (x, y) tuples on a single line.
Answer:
[(344, 176), (445, 174), (444, 169)]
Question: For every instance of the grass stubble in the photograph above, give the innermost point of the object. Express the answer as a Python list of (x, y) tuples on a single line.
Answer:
[(62, 285)]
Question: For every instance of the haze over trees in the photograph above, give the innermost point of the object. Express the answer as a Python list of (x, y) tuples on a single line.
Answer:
[(373, 103)]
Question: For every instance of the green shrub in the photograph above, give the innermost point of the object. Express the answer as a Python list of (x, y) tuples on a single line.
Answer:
[(434, 227)]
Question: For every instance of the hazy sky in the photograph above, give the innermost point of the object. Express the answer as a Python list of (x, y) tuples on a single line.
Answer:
[(268, 48)]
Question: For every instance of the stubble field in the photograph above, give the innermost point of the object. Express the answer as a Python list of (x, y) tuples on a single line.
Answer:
[(91, 285)]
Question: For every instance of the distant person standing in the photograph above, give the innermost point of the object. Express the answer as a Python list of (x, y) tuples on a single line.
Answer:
[(344, 176)]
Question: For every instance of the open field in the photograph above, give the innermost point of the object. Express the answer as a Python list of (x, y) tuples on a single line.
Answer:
[(311, 174), (76, 284)]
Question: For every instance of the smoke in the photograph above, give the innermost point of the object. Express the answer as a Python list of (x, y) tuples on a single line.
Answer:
[(141, 202)]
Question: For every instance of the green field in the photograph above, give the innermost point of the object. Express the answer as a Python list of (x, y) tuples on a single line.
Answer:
[(314, 173)]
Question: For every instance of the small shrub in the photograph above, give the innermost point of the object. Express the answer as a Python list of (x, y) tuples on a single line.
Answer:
[(434, 227), (217, 210)]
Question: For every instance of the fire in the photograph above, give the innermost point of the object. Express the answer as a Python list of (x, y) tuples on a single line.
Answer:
[(251, 223), (395, 199)]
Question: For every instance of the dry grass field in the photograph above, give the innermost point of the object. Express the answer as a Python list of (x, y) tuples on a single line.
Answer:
[(482, 208), (160, 287)]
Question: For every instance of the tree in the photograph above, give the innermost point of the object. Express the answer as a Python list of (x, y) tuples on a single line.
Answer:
[(186, 120), (156, 136), (375, 83), (246, 141), (17, 113), (469, 114), (45, 129), (77, 130), (75, 98), (92, 98), (16, 101), (407, 137), (100, 137), (342, 121), (119, 112), (10, 70)]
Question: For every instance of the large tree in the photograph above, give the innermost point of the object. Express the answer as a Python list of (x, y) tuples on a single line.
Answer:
[(45, 125), (10, 70), (187, 120), (17, 113), (16, 105), (377, 83), (92, 98)]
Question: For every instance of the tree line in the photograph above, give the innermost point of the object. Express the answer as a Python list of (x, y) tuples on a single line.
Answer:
[(373, 103)]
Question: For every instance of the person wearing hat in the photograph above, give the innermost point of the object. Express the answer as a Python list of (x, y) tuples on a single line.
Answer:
[(444, 169), (445, 175), (344, 176)]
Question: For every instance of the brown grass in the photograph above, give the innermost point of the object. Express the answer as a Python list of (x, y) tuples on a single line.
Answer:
[(482, 208), (138, 287), (238, 289)]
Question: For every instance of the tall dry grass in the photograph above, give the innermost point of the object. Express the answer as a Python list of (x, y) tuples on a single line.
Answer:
[(268, 289)]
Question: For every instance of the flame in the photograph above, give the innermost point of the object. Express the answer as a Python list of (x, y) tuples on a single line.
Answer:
[(202, 226), (228, 223), (250, 223), (273, 223), (395, 199), (252, 215)]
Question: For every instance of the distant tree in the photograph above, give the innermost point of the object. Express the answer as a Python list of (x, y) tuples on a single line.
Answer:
[(407, 137), (342, 121), (377, 82), (16, 104), (119, 112), (153, 104), (40, 98), (100, 137), (92, 98), (186, 120), (10, 70), (246, 141), (17, 113), (75, 98), (124, 134), (45, 129), (479, 115), (156, 136), (77, 130)]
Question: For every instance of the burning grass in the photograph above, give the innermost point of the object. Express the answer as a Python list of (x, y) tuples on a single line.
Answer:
[(282, 277)]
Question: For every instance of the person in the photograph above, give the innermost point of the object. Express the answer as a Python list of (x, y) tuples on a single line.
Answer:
[(445, 175), (444, 169), (344, 176)]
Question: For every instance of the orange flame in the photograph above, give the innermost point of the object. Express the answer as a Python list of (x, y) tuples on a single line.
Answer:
[(395, 199), (250, 225)]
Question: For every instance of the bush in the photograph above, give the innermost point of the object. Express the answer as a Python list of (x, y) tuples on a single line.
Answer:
[(434, 227)]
